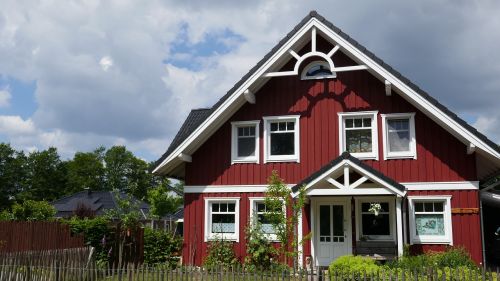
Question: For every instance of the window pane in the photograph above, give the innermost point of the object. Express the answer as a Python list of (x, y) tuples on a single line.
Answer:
[(348, 123), (246, 147), (223, 223), (365, 207), (215, 207), (419, 207), (359, 140), (274, 127), (252, 131), (429, 224), (282, 144), (282, 126), (428, 207), (358, 123), (223, 207), (438, 206), (375, 225), (318, 70), (290, 126), (240, 131), (399, 141), (231, 207), (338, 220), (324, 220), (367, 122), (261, 207)]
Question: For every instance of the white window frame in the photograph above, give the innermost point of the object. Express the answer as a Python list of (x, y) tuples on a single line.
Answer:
[(234, 142), (360, 114), (323, 63), (253, 205), (392, 217), (431, 239), (208, 219), (412, 153), (267, 139)]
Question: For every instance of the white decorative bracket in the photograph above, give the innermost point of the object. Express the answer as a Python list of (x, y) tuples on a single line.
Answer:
[(249, 96), (471, 148), (314, 53), (185, 157), (388, 88)]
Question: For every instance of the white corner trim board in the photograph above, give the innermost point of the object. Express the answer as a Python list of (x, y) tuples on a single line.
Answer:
[(227, 188)]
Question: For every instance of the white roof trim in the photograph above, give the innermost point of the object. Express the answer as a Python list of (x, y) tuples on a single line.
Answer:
[(416, 99)]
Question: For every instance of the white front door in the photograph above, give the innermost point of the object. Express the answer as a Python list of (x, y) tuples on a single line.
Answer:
[(333, 231)]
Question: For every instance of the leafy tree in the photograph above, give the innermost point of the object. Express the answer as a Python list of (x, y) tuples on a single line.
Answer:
[(46, 175), (30, 210), (86, 170), (12, 174), (284, 223), (161, 200), (125, 172)]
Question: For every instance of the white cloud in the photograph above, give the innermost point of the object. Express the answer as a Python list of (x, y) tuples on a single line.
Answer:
[(105, 63), (15, 126), (5, 97)]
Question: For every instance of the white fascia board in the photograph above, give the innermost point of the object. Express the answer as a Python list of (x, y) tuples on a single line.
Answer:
[(227, 188), (451, 185), (376, 179), (424, 105), (238, 93)]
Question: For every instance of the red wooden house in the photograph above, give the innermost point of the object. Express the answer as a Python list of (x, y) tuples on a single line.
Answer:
[(315, 96)]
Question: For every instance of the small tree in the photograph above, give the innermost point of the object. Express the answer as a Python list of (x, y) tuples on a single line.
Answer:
[(285, 218), (30, 210)]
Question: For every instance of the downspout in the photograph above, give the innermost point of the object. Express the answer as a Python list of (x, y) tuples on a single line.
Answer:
[(482, 227)]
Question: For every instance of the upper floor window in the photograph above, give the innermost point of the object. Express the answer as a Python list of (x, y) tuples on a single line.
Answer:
[(358, 134), (430, 219), (245, 142), (317, 70), (281, 138), (399, 135)]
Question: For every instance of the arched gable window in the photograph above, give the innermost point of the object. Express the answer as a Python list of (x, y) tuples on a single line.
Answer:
[(317, 70)]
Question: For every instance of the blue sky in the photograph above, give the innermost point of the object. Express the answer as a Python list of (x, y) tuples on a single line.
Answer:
[(77, 75)]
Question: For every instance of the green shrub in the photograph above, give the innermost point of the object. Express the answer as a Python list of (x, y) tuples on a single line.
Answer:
[(220, 254), (30, 210), (96, 232), (453, 258), (260, 252), (161, 247), (353, 265)]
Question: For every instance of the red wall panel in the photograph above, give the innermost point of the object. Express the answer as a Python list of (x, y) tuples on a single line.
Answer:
[(440, 156)]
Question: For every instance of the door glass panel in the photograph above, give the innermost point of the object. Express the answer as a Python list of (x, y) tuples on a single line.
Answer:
[(324, 220), (338, 220)]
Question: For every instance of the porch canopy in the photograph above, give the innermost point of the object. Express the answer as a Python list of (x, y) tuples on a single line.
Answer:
[(347, 175)]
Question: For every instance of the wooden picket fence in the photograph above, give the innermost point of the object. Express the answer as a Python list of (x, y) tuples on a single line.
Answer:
[(79, 257), (91, 272)]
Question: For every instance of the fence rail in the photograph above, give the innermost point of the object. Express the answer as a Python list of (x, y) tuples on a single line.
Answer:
[(144, 273)]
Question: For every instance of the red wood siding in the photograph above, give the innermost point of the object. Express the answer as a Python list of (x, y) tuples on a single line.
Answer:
[(440, 156), (466, 227)]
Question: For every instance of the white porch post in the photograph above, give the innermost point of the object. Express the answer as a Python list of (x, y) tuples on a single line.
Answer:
[(399, 225), (299, 238)]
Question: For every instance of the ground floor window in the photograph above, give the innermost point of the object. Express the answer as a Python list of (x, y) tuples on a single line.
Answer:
[(222, 218), (376, 218), (430, 219), (258, 210)]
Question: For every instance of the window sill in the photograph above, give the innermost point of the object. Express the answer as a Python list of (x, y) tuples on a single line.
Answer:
[(282, 159), (400, 156), (215, 237), (243, 161), (364, 156)]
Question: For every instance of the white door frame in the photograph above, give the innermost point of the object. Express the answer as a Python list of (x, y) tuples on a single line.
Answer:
[(315, 202)]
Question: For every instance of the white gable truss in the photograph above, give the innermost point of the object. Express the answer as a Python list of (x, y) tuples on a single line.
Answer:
[(270, 68), (327, 182)]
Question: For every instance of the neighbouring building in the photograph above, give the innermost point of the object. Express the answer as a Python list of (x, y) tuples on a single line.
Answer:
[(328, 114)]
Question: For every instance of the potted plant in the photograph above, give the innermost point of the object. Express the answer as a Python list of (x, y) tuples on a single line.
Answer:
[(375, 208)]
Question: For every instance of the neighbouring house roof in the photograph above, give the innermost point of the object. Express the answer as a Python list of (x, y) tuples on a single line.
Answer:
[(175, 216), (350, 160), (97, 201), (201, 116)]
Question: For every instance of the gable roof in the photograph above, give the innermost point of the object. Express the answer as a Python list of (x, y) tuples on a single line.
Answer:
[(433, 107), (98, 201), (348, 159)]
